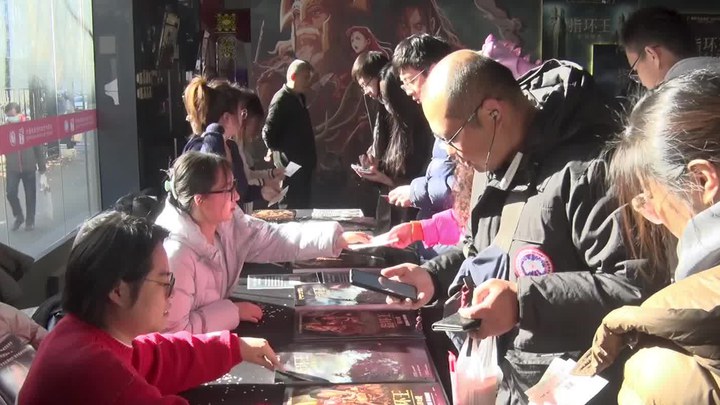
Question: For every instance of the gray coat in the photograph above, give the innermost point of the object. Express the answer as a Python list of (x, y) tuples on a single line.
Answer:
[(26, 160)]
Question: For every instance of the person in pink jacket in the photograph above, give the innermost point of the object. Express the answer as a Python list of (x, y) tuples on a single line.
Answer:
[(443, 228), (106, 350), (211, 239)]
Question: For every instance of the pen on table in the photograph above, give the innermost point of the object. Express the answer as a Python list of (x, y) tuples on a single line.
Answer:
[(301, 376)]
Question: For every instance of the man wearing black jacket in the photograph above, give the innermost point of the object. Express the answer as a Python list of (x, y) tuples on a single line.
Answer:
[(544, 289), (288, 129)]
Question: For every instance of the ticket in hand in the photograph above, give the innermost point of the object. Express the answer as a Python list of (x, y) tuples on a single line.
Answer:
[(291, 168), (279, 197)]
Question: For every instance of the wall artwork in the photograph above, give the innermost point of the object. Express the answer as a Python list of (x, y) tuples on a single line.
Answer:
[(331, 33), (572, 27), (707, 33)]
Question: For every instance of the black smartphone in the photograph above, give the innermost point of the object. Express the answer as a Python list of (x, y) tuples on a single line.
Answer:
[(382, 284), (455, 323)]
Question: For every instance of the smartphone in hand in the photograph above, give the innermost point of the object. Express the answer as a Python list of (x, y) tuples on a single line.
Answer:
[(360, 169), (456, 323), (382, 284)]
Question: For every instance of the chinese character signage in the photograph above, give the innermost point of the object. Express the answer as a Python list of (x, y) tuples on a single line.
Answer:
[(706, 28), (572, 27)]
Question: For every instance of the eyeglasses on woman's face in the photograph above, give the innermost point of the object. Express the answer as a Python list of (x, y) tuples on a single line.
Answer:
[(230, 190), (169, 285)]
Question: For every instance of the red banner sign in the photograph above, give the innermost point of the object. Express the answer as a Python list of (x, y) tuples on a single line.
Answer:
[(22, 135)]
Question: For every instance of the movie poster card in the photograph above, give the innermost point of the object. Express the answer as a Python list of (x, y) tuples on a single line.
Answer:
[(571, 27), (339, 295), (360, 362), (355, 324), (368, 394)]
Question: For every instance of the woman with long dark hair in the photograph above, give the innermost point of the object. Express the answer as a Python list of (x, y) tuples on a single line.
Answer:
[(405, 143)]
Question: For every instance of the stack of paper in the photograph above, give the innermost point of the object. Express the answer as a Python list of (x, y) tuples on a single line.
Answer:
[(336, 214), (559, 387)]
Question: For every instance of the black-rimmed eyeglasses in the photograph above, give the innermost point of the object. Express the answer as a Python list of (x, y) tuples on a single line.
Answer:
[(633, 75), (232, 188)]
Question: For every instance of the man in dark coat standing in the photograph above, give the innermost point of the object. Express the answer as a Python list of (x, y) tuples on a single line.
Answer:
[(288, 130)]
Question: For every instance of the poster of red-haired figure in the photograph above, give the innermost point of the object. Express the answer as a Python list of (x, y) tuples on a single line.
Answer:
[(331, 33)]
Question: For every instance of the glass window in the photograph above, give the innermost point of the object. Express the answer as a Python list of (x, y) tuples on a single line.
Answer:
[(48, 169)]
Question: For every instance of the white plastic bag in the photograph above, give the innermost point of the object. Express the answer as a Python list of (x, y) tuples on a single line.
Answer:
[(43, 200), (476, 377)]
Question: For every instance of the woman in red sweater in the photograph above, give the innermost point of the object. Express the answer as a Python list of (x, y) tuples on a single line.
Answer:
[(117, 289)]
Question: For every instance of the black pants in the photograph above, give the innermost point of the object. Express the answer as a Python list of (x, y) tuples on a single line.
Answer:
[(13, 184), (299, 194)]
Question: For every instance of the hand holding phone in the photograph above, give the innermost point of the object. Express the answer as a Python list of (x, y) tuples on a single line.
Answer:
[(382, 284), (360, 169)]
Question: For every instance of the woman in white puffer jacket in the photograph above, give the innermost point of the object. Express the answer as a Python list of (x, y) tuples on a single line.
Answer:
[(211, 238)]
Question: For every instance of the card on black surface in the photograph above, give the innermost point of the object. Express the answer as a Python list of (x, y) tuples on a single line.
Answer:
[(368, 394), (354, 324), (361, 361)]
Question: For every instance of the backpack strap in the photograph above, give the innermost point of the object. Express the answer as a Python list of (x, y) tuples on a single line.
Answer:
[(510, 218)]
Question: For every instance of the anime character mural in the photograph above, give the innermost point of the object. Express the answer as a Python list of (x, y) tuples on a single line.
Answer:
[(421, 17), (314, 27), (330, 34), (508, 28), (362, 40)]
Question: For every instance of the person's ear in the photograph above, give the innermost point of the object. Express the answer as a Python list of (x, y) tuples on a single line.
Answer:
[(491, 108), (198, 199), (705, 176), (653, 54), (224, 118), (293, 76), (120, 294)]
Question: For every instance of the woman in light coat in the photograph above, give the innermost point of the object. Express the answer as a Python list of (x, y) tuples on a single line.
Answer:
[(211, 239), (667, 167)]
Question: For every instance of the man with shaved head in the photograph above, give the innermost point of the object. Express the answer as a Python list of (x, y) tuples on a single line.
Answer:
[(288, 129), (547, 260)]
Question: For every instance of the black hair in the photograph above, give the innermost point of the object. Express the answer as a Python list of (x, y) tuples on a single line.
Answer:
[(420, 51), (140, 204), (404, 122), (368, 65), (109, 248), (12, 106), (194, 173), (250, 100), (659, 26)]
